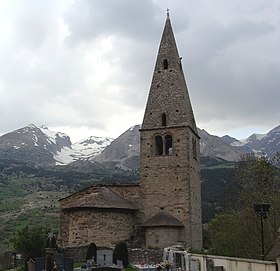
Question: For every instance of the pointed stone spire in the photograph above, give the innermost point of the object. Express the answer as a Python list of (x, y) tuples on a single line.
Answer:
[(168, 94), (169, 152)]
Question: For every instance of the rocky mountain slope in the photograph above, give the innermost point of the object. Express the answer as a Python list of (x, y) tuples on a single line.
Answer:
[(41, 146), (125, 150), (214, 146), (268, 144)]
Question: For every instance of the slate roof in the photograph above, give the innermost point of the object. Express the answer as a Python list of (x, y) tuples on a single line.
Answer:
[(162, 219), (100, 198)]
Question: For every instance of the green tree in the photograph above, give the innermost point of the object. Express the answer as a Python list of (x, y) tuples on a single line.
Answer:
[(30, 241), (256, 179), (236, 231)]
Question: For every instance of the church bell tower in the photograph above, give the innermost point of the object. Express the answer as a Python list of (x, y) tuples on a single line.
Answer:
[(170, 165)]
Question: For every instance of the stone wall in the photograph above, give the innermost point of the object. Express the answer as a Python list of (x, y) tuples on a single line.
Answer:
[(129, 192), (102, 227), (162, 236), (77, 253), (149, 256)]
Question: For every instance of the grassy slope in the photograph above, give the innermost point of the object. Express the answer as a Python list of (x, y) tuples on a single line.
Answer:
[(22, 203)]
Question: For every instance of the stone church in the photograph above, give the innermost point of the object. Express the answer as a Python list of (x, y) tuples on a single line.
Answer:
[(165, 207)]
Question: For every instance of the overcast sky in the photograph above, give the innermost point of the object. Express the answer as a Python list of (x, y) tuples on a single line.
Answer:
[(84, 67)]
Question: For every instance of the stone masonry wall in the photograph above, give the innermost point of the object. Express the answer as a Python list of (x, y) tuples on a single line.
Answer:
[(136, 256), (129, 192), (168, 182), (162, 236), (104, 228), (147, 256)]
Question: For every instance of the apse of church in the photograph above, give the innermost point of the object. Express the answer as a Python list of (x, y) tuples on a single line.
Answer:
[(165, 207)]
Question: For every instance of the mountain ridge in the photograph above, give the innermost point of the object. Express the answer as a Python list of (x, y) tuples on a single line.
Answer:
[(41, 146)]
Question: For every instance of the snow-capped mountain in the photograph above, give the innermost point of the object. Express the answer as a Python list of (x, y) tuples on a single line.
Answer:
[(262, 144), (42, 146)]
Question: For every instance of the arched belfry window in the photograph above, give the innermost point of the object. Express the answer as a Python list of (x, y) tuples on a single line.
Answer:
[(168, 144), (163, 119), (158, 145), (163, 145), (165, 64)]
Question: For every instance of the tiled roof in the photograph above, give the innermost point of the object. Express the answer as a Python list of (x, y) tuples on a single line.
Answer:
[(162, 219), (99, 198)]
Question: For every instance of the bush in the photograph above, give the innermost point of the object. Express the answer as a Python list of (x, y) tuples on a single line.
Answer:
[(91, 252), (121, 253), (30, 241)]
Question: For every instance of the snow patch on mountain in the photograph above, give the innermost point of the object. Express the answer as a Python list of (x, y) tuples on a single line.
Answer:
[(82, 150), (253, 136), (52, 136), (65, 156)]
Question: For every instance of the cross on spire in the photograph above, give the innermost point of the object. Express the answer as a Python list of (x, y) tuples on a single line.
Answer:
[(167, 12)]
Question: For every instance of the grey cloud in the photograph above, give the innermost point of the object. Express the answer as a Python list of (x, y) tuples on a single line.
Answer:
[(86, 20), (33, 23), (231, 61)]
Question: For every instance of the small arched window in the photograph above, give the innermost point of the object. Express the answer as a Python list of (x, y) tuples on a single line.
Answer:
[(163, 119), (194, 148), (168, 144), (165, 64), (158, 145)]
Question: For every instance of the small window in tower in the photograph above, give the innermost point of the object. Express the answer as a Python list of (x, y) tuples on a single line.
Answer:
[(158, 145), (163, 119), (168, 145), (181, 68), (165, 64), (194, 149)]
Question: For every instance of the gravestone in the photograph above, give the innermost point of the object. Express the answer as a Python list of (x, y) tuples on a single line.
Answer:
[(104, 257), (120, 264), (63, 264), (31, 265), (68, 264), (40, 264), (59, 259)]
